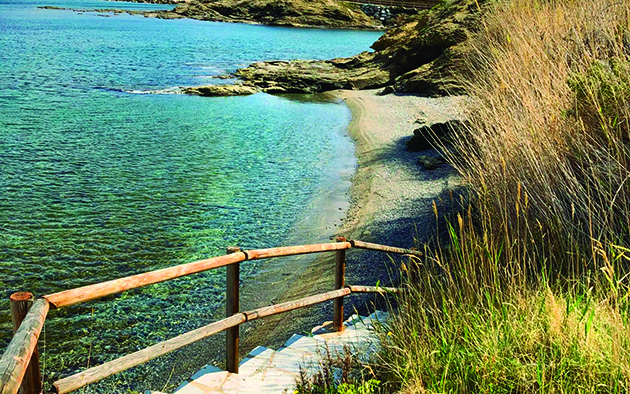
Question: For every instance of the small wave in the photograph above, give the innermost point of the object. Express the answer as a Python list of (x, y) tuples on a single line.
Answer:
[(174, 90)]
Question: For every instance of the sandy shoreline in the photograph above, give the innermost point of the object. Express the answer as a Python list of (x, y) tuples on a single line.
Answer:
[(391, 200), (390, 191), (390, 203)]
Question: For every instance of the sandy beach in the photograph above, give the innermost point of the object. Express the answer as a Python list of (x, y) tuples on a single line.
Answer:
[(391, 195), (390, 203), (391, 200)]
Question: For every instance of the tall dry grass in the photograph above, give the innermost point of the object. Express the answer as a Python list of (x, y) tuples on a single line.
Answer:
[(547, 149), (531, 294)]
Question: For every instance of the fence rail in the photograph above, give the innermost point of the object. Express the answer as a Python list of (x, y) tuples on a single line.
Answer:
[(19, 365)]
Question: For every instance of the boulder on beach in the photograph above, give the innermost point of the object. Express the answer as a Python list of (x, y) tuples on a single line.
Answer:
[(430, 163), (426, 137)]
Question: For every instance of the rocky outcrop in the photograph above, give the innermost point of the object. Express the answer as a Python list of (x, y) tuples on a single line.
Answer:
[(295, 13), (420, 56), (154, 1), (429, 48), (311, 76), (222, 90)]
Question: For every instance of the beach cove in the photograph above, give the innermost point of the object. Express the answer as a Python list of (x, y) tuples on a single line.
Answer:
[(391, 203), (387, 200)]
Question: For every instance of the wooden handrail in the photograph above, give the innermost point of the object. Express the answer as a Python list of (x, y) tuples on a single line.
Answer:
[(16, 358), (383, 248), (296, 304), (375, 289), (293, 250), (21, 302), (103, 289), (99, 290), (100, 372)]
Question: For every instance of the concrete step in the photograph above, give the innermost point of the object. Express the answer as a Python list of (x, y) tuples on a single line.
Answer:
[(267, 371)]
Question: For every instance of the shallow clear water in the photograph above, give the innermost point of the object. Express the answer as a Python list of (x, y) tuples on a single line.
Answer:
[(98, 182)]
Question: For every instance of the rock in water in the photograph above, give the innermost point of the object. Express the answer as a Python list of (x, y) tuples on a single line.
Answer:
[(221, 90), (312, 76)]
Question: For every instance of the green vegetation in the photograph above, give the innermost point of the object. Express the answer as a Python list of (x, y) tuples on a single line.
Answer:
[(531, 292), (338, 374)]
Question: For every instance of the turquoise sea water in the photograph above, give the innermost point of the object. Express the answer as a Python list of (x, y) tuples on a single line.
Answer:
[(98, 181)]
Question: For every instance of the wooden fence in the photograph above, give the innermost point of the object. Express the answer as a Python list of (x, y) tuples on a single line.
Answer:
[(19, 365)]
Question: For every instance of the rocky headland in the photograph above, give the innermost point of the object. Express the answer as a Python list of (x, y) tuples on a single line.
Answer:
[(295, 13), (418, 56), (332, 14)]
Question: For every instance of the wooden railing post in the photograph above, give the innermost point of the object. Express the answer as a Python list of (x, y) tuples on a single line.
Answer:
[(340, 282), (20, 304), (232, 308)]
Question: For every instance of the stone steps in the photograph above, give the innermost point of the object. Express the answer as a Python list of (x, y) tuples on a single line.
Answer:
[(267, 371)]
